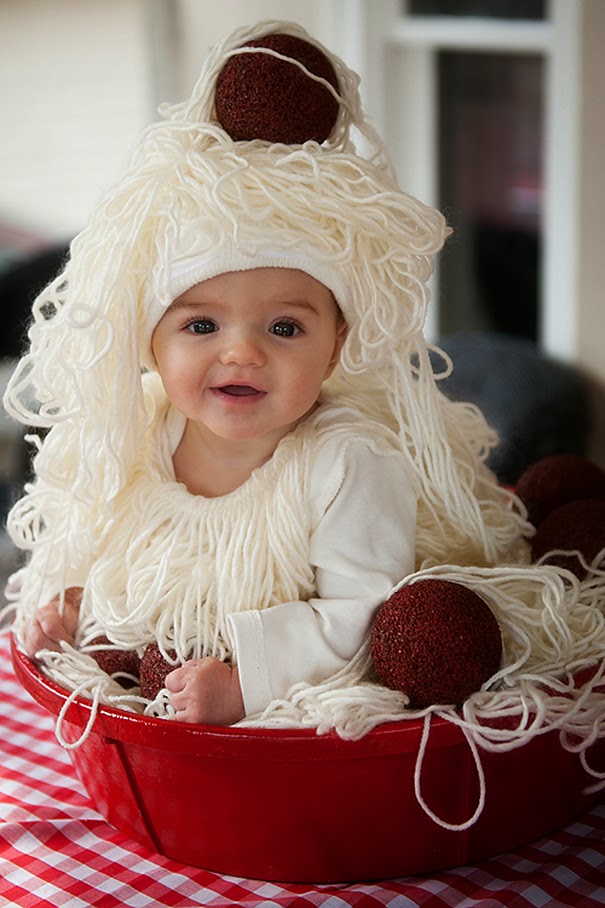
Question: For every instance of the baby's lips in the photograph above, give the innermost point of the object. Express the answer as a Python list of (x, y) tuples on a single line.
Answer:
[(239, 390)]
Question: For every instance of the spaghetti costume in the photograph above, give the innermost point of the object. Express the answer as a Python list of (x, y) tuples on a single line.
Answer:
[(195, 203), (282, 576)]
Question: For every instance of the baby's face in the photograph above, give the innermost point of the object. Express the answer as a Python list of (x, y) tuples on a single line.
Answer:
[(244, 354)]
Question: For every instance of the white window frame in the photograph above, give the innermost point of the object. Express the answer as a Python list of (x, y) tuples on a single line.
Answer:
[(371, 35)]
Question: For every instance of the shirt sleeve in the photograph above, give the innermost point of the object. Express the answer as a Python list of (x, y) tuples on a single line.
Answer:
[(363, 545)]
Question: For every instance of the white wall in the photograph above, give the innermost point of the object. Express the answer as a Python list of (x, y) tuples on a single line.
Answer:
[(201, 23), (79, 79), (75, 90)]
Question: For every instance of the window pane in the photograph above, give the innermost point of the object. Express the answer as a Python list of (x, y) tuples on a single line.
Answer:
[(490, 152), (499, 9)]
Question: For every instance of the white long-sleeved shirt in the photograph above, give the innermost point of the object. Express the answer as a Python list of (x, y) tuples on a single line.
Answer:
[(362, 546)]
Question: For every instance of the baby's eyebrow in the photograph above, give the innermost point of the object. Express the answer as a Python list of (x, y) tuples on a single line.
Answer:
[(297, 304), (183, 305)]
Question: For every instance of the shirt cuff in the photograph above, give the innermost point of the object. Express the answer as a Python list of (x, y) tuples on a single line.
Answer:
[(248, 644)]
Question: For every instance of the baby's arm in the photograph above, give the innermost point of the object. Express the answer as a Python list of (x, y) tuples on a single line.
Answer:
[(363, 545), (53, 624), (206, 691)]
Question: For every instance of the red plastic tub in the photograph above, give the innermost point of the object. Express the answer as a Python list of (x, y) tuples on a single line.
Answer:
[(294, 806)]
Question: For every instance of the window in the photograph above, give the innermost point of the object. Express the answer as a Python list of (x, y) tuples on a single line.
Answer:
[(499, 9), (490, 186), (408, 53), (402, 56)]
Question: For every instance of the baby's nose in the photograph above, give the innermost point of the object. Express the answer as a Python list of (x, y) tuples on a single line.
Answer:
[(243, 349)]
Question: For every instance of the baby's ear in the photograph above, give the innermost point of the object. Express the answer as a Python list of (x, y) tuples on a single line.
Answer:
[(341, 336)]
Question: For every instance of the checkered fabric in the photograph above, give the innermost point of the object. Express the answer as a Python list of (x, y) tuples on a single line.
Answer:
[(55, 850)]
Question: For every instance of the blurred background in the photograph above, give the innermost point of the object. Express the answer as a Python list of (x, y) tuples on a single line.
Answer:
[(493, 110)]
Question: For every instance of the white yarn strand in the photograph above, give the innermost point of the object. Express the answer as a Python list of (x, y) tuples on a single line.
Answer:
[(454, 827)]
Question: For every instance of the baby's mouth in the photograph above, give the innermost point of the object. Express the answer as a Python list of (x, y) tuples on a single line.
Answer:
[(239, 390)]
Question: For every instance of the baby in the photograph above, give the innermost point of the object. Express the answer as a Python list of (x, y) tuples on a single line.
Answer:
[(242, 358), (247, 446)]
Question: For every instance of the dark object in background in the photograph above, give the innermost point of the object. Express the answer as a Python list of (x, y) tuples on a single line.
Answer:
[(507, 268), (538, 407), (575, 526), (20, 283), (554, 481), (21, 280)]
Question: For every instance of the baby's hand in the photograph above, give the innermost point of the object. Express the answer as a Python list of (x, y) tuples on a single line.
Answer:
[(206, 691), (49, 627)]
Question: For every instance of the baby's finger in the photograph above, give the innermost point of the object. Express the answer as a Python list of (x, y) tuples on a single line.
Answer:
[(175, 680), (177, 701), (51, 624), (35, 639), (183, 715), (185, 710)]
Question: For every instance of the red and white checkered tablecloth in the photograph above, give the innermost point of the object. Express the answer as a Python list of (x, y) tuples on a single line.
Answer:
[(56, 850)]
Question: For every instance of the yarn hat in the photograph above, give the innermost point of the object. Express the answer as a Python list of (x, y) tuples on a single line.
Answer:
[(236, 204), (279, 87)]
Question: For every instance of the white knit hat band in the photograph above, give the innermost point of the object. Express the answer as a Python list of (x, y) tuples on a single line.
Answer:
[(187, 273)]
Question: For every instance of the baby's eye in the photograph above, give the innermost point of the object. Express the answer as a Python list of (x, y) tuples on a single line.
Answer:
[(202, 326), (285, 328)]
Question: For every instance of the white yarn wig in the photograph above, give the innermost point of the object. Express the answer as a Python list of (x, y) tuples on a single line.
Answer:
[(194, 202), (192, 195)]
